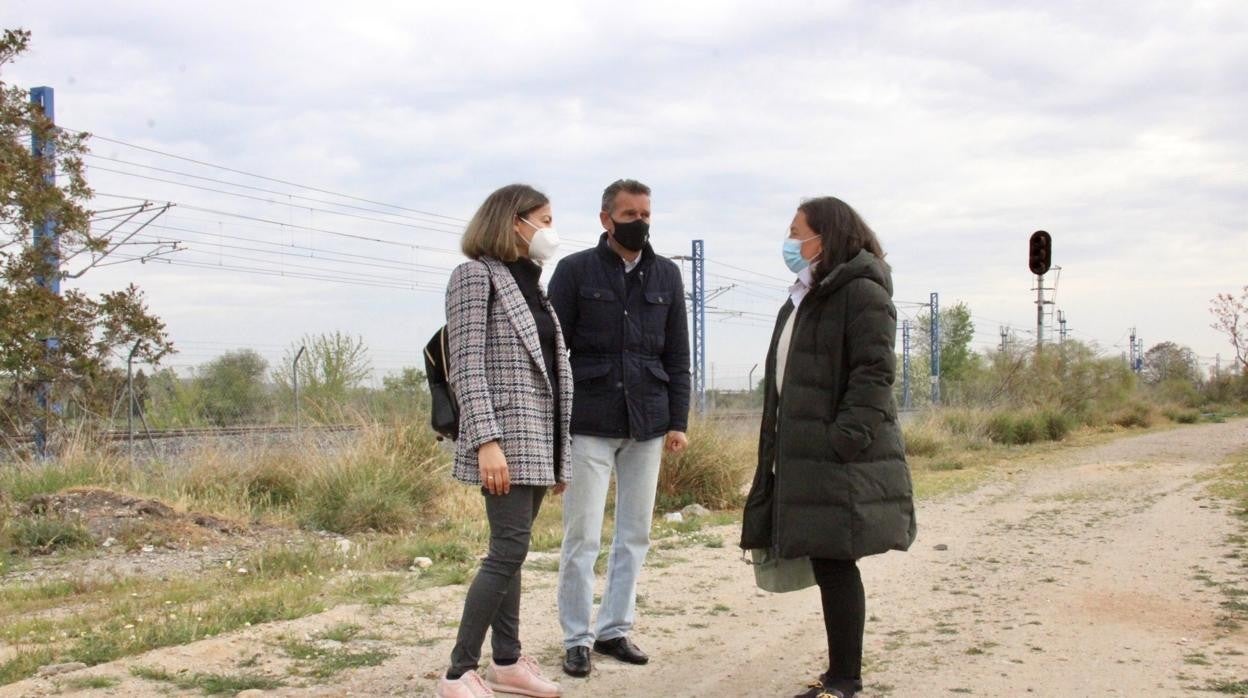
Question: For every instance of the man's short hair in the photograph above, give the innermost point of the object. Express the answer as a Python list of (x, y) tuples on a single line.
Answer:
[(631, 186)]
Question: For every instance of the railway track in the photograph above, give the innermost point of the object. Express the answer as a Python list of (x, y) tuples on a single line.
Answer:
[(208, 432)]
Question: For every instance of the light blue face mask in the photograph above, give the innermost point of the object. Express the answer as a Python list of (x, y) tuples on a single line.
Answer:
[(793, 258)]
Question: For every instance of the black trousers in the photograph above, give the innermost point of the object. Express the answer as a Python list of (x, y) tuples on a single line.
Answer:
[(493, 601), (844, 619)]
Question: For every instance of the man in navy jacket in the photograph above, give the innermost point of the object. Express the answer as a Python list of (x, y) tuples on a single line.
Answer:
[(622, 309)]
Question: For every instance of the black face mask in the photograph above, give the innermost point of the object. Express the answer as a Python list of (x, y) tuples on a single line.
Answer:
[(632, 236)]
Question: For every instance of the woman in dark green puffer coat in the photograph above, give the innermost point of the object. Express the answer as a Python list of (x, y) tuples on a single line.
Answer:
[(832, 483)]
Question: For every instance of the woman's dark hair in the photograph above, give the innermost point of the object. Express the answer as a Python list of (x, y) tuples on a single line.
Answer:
[(842, 230)]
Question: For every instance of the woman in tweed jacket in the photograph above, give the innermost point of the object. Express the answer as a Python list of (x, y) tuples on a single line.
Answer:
[(512, 380)]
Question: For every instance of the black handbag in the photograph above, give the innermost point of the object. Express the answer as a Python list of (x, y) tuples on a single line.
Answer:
[(443, 408)]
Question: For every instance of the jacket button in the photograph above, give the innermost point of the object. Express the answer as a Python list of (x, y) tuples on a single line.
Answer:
[(620, 384), (597, 295), (625, 313)]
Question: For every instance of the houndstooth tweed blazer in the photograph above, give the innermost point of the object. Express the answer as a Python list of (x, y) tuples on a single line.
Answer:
[(499, 378)]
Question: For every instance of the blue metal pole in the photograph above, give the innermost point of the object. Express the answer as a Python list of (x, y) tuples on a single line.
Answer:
[(935, 348), (45, 235), (699, 325)]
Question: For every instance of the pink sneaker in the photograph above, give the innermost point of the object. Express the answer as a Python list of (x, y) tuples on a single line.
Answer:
[(469, 685), (523, 677)]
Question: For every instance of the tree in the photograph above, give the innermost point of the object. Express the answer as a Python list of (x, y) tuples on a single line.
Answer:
[(1231, 318), (232, 387), (87, 330), (957, 360), (332, 366), (403, 393), (1168, 361)]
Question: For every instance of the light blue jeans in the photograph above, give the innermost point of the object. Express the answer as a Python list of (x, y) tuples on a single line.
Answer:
[(636, 468)]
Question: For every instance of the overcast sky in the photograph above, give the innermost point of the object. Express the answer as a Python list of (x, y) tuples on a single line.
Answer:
[(955, 128)]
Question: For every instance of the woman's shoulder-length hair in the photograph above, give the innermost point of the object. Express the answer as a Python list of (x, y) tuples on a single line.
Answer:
[(490, 233)]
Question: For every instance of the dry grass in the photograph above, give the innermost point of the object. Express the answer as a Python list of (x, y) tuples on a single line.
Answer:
[(712, 471)]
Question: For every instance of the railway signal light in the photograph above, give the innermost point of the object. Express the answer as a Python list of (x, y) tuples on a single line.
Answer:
[(1040, 253)]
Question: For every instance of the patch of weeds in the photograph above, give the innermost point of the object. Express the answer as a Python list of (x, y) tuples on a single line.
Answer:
[(1235, 688), (720, 608), (546, 564), (253, 660), (211, 684), (24, 664), (89, 682), (322, 662), (946, 465), (41, 535), (1197, 658), (709, 540), (376, 590), (342, 632), (278, 562)]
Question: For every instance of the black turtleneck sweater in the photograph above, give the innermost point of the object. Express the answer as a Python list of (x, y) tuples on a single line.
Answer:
[(527, 274)]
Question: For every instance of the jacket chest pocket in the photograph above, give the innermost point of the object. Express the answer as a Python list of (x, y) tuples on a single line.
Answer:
[(597, 308), (654, 312)]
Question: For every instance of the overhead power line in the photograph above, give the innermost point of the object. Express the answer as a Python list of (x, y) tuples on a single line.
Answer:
[(266, 178), (270, 191), (274, 202)]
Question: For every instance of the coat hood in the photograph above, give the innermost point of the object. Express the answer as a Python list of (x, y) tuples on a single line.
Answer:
[(863, 266)]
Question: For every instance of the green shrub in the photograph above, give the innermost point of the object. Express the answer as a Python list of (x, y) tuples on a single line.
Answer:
[(1136, 414), (387, 483), (1057, 425), (45, 534), (712, 471), (1020, 428), (1000, 428), (273, 479), (923, 439), (962, 422), (1182, 415)]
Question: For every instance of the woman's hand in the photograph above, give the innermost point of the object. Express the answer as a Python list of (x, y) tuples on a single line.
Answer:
[(559, 488), (493, 464)]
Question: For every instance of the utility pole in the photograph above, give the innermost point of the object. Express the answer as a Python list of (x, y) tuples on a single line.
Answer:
[(751, 379), (1005, 338), (1061, 321), (699, 325), (45, 236), (1131, 349), (130, 399), (1217, 367), (1039, 260), (294, 372), (905, 364), (1137, 352), (935, 305), (1039, 311)]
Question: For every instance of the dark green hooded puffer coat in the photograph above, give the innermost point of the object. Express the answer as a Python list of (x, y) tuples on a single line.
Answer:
[(842, 487)]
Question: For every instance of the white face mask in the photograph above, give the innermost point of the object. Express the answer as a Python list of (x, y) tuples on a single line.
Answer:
[(544, 243)]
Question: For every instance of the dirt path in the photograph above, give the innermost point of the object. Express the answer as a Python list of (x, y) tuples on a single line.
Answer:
[(1089, 572)]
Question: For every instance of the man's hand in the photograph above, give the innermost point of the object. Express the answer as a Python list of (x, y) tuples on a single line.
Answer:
[(559, 488), (676, 441)]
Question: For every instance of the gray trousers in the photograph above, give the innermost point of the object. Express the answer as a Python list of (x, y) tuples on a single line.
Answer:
[(493, 601)]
